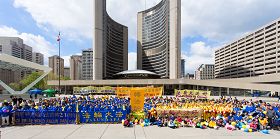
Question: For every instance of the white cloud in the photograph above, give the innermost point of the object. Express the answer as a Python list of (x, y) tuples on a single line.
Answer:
[(37, 42), (66, 61), (7, 31), (216, 20), (132, 61), (213, 19), (199, 54), (72, 17), (224, 20)]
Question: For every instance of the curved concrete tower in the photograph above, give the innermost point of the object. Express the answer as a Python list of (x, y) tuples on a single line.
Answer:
[(159, 39), (110, 46)]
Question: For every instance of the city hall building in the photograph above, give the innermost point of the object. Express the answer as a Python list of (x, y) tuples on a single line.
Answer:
[(159, 54), (159, 39), (226, 87), (110, 47)]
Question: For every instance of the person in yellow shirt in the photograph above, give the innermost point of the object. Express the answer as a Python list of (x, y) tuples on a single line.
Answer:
[(263, 123)]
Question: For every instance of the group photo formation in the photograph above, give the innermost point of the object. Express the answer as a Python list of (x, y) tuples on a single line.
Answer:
[(145, 107), (139, 69)]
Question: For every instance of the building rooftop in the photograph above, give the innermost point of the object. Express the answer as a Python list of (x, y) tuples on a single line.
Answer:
[(136, 72)]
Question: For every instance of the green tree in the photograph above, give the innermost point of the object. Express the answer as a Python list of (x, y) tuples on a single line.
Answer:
[(16, 86), (52, 76), (32, 77), (28, 80), (66, 78)]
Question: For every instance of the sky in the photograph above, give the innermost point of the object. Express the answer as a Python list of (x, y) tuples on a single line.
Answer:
[(206, 24)]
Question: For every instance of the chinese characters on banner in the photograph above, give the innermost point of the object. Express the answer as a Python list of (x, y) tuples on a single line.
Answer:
[(137, 96), (37, 117), (111, 116), (186, 113), (92, 89), (41, 118), (198, 94), (149, 91)]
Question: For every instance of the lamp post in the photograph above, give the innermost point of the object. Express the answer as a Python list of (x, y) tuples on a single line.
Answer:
[(58, 40)]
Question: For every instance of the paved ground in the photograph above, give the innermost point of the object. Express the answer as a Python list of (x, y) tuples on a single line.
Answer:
[(105, 131)]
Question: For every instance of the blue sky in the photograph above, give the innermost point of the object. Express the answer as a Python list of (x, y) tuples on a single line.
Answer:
[(204, 28)]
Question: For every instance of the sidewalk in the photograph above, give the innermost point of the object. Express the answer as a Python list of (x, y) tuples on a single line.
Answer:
[(117, 131)]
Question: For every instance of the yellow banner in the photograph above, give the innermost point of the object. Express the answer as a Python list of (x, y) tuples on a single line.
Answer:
[(93, 89), (123, 91), (199, 94), (148, 91), (137, 99)]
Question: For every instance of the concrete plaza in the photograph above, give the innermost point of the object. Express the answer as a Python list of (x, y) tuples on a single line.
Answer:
[(116, 131)]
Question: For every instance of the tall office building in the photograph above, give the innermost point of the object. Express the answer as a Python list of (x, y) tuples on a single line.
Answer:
[(38, 58), (182, 68), (159, 39), (66, 73), (87, 64), (253, 55), (110, 44), (205, 72), (14, 46), (54, 64), (76, 67)]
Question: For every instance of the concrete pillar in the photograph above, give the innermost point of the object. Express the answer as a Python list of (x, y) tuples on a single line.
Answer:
[(228, 91), (180, 87), (220, 91)]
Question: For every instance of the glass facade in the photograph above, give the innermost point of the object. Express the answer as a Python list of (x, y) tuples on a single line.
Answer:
[(155, 39), (110, 49)]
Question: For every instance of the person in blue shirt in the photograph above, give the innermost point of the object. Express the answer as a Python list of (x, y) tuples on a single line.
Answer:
[(236, 109), (230, 117), (84, 108), (69, 108), (5, 114), (91, 108), (250, 108), (237, 117)]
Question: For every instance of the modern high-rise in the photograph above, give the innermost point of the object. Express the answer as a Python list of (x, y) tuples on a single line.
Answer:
[(87, 64), (110, 45), (38, 58), (54, 64), (205, 72), (182, 68), (66, 71), (76, 67), (14, 46), (255, 54), (159, 39)]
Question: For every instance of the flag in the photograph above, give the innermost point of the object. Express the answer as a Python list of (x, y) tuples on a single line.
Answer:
[(58, 37)]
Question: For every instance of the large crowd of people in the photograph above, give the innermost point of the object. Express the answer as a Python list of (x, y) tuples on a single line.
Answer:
[(229, 113), (84, 103)]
